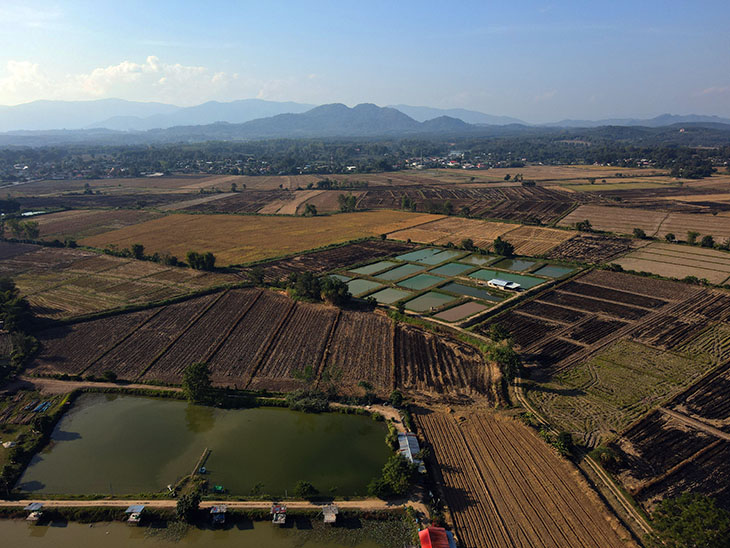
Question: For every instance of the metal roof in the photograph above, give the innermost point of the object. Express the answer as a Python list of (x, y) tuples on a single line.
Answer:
[(134, 509), (34, 506), (219, 509)]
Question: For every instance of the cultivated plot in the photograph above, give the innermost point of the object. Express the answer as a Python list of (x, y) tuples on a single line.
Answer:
[(679, 261), (260, 339), (236, 239), (505, 487)]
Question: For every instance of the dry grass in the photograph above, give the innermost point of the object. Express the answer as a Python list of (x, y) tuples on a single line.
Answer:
[(676, 261), (174, 184), (681, 223), (622, 220), (532, 240), (82, 223), (236, 239), (527, 240), (290, 206), (454, 230)]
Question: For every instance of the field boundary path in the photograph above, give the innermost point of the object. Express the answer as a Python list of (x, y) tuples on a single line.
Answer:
[(365, 504), (57, 386), (696, 424)]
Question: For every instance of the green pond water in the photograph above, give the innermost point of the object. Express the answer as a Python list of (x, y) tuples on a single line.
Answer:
[(19, 533), (340, 277), (440, 257), (390, 295), (420, 281), (461, 289), (451, 269), (125, 444), (360, 287), (427, 300), (375, 267), (514, 264), (553, 271), (400, 272), (524, 280), (418, 256), (479, 260)]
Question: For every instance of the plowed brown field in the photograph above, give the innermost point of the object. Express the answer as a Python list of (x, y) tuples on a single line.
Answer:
[(505, 487)]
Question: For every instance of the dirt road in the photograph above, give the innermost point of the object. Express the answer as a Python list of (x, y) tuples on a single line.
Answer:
[(56, 386)]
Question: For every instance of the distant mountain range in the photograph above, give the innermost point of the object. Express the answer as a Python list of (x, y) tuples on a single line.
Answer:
[(325, 121), (131, 116), (421, 114), (658, 121)]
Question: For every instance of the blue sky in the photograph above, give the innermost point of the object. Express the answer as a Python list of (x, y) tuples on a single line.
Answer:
[(538, 61)]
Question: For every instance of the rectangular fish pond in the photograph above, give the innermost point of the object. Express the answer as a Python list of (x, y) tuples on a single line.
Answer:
[(524, 280), (554, 271), (399, 272), (478, 260), (441, 257), (118, 445), (420, 281), (389, 295), (461, 312), (517, 265), (419, 255), (451, 269), (373, 268), (423, 303), (469, 291), (360, 287)]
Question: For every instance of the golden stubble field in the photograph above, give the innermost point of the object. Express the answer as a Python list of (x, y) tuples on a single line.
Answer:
[(236, 239)]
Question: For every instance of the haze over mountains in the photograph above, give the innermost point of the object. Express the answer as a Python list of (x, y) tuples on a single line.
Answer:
[(122, 115)]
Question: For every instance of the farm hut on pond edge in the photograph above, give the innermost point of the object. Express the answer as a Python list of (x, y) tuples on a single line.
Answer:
[(278, 514), (135, 514), (408, 447), (436, 537), (36, 511), (219, 514), (330, 512)]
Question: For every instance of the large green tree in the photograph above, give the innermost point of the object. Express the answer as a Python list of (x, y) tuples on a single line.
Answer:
[(196, 382), (690, 521)]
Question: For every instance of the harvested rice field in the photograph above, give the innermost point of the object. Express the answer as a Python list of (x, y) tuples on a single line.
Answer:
[(81, 223), (61, 283), (238, 239), (679, 261), (527, 240)]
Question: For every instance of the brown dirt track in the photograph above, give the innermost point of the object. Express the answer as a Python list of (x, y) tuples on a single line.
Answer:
[(505, 487)]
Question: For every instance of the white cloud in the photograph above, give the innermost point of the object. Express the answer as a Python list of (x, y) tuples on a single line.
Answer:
[(151, 80)]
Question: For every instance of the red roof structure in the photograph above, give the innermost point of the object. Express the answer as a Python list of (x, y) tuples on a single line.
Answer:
[(434, 537)]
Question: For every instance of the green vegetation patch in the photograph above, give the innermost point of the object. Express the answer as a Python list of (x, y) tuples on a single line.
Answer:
[(615, 387)]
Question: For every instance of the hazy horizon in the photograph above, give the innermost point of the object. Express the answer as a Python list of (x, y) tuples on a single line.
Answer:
[(539, 62)]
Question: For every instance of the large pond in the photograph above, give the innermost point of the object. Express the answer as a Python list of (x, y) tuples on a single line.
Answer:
[(17, 533), (125, 444)]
